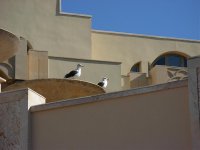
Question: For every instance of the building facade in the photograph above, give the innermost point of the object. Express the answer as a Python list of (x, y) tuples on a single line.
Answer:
[(53, 42), (39, 44)]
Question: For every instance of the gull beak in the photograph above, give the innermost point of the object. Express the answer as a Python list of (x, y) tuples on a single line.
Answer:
[(105, 78), (80, 65)]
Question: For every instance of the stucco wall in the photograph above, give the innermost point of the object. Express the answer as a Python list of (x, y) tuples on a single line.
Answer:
[(14, 118), (151, 118), (17, 65), (194, 94), (46, 29), (37, 64), (138, 79), (93, 70), (163, 74), (9, 45), (130, 49)]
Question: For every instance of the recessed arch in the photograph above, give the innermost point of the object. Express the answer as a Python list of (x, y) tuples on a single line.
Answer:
[(9, 45), (136, 67), (172, 58)]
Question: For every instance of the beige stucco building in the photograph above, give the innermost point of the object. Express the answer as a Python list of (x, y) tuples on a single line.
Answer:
[(40, 110), (53, 42)]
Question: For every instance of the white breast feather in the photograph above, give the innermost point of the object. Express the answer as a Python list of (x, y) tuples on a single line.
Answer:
[(79, 73)]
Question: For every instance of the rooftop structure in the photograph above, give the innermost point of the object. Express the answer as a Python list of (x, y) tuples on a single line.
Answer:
[(151, 101), (54, 42)]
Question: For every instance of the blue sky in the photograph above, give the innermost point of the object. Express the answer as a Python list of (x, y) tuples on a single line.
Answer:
[(169, 18)]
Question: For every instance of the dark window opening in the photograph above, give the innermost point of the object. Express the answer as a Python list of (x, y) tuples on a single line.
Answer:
[(136, 68), (161, 61), (171, 60)]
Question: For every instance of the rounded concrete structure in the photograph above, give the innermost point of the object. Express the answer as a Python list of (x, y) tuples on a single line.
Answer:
[(9, 45), (58, 89)]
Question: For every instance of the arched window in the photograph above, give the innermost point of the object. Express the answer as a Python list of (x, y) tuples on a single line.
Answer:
[(136, 67), (171, 60)]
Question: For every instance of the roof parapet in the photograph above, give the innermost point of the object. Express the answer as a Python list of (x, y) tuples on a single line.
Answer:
[(144, 36)]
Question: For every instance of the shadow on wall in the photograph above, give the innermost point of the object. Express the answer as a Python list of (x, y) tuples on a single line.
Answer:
[(9, 45), (7, 70), (29, 45), (3, 75)]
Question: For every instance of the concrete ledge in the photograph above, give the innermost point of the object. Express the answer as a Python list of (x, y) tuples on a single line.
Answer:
[(144, 36), (60, 12), (17, 95), (102, 97), (85, 60), (195, 57), (2, 80), (74, 15)]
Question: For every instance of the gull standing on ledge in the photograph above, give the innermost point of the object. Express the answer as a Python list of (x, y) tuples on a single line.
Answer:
[(75, 73), (104, 82)]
